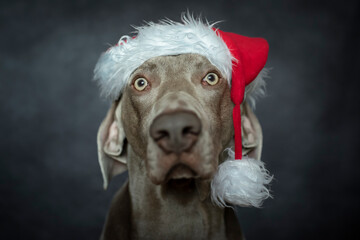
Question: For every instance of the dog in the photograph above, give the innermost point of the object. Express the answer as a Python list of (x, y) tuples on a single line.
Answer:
[(169, 128)]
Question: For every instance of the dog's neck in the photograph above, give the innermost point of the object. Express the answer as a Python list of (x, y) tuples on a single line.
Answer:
[(174, 216)]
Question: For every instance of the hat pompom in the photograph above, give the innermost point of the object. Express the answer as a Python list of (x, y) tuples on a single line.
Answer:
[(240, 182)]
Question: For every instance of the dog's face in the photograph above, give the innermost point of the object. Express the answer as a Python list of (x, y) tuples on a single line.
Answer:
[(176, 114)]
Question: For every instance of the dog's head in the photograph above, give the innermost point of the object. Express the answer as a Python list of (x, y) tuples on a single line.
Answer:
[(176, 114)]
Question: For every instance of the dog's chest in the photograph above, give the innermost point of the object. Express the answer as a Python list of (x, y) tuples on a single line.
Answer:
[(178, 222)]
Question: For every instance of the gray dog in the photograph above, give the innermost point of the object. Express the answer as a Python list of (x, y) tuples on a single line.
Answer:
[(169, 124)]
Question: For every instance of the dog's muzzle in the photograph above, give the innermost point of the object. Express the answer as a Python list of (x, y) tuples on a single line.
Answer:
[(176, 134)]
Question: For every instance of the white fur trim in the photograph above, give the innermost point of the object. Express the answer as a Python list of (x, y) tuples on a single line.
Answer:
[(159, 39), (240, 182)]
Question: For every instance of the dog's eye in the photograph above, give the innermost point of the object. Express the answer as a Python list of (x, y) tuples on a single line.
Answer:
[(140, 84), (211, 79)]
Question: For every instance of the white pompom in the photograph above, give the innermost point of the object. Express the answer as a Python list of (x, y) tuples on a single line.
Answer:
[(240, 182)]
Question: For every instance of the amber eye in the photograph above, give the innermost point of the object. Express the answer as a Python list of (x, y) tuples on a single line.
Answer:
[(211, 78), (140, 84)]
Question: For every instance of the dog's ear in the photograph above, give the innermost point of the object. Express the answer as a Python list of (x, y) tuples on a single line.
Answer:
[(252, 137), (111, 143)]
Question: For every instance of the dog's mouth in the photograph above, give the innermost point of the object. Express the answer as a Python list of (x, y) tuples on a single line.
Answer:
[(180, 178), (181, 184)]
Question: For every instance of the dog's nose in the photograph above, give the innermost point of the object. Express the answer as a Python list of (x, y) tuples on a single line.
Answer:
[(175, 132)]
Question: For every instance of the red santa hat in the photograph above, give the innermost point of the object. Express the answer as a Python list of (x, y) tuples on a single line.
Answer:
[(239, 180)]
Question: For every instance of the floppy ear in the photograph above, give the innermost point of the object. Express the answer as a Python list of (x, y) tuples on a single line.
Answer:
[(251, 132), (111, 144)]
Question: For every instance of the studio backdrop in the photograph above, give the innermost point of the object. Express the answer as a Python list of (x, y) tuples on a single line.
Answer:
[(50, 181)]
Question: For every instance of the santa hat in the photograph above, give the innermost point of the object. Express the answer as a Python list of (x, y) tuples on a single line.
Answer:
[(239, 180)]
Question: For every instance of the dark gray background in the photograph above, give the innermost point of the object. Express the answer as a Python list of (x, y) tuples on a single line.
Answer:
[(51, 186)]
